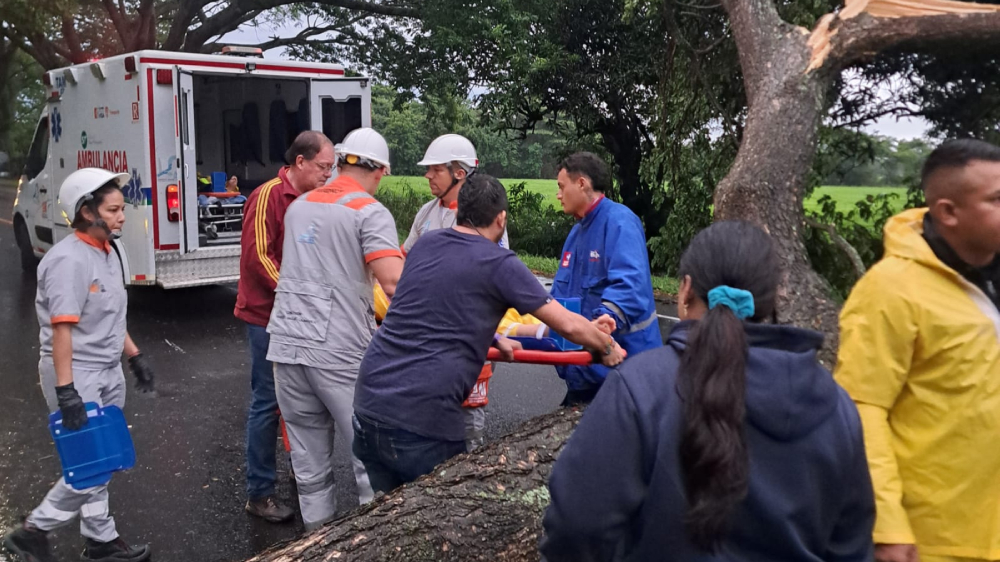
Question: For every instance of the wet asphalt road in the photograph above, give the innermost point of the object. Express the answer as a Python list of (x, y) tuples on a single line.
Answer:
[(185, 496)]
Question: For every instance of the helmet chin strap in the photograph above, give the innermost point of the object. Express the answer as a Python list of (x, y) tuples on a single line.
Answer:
[(112, 234), (454, 181)]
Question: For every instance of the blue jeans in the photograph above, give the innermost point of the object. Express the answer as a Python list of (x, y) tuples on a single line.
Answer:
[(394, 456), (262, 419)]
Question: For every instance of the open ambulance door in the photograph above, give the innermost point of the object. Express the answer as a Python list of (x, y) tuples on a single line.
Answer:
[(340, 105), (186, 160)]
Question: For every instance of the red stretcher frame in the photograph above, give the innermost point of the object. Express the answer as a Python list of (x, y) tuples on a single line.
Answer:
[(544, 357)]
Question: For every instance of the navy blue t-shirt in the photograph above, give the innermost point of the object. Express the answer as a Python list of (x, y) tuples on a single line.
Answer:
[(424, 360)]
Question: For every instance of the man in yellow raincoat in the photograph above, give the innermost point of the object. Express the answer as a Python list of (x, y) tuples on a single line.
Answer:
[(920, 356)]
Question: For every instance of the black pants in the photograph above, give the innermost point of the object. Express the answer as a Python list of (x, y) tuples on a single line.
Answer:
[(580, 397)]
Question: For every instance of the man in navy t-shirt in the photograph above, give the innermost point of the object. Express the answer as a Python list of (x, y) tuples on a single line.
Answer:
[(456, 285)]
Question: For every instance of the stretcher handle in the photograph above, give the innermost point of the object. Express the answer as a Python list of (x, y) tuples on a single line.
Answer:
[(545, 357)]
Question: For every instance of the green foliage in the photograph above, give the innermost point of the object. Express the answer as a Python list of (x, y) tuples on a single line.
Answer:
[(548, 266), (409, 125), (402, 126), (850, 157), (544, 265), (403, 202), (533, 73), (861, 227), (21, 99), (533, 226)]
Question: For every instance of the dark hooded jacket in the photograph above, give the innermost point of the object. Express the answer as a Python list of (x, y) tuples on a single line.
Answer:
[(618, 489)]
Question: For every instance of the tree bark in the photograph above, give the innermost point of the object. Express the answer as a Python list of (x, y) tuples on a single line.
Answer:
[(487, 505), (765, 183)]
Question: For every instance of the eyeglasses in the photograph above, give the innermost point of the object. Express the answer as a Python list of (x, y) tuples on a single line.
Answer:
[(323, 167)]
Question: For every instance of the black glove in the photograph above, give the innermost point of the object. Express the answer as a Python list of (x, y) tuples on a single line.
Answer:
[(74, 413), (143, 373)]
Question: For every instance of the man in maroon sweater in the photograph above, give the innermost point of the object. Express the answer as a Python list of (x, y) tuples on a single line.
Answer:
[(311, 161)]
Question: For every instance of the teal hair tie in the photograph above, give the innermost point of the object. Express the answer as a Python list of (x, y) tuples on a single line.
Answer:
[(737, 300)]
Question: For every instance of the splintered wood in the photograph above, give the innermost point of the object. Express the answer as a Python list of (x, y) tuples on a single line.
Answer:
[(820, 40), (912, 8)]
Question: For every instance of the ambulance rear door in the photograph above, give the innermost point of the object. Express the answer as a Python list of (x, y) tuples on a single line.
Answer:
[(186, 160), (340, 105)]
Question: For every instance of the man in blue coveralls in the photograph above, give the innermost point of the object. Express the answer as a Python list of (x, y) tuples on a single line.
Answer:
[(604, 263)]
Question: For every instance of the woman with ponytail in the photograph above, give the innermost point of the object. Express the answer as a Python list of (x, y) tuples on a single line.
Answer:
[(731, 443)]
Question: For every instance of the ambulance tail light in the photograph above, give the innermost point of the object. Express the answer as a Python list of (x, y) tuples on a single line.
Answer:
[(173, 203)]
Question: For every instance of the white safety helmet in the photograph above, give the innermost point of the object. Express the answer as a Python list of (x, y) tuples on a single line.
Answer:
[(365, 144), (451, 148), (77, 188)]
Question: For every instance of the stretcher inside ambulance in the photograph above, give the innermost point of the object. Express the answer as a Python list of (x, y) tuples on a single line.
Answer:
[(197, 133)]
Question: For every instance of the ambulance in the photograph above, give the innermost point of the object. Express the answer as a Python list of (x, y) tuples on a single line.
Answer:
[(183, 126)]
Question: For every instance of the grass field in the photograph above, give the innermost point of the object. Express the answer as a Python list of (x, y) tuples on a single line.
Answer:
[(844, 196)]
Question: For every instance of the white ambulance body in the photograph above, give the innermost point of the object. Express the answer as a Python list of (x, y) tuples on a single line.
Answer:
[(166, 118)]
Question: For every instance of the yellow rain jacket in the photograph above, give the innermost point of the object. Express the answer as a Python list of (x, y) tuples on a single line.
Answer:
[(920, 356)]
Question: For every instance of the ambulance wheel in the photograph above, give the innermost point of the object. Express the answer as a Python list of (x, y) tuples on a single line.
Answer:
[(28, 260)]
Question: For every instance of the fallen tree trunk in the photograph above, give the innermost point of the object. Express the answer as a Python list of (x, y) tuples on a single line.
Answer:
[(486, 505)]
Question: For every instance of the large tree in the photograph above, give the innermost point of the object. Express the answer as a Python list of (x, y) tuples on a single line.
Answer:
[(60, 32)]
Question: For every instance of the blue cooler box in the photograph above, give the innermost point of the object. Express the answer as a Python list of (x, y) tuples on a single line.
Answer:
[(218, 182), (92, 453)]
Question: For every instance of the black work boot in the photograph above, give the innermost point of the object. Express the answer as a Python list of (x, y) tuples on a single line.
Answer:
[(28, 544), (270, 510), (115, 551)]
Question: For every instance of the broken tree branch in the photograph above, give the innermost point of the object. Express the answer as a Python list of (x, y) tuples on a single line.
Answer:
[(865, 28), (852, 254)]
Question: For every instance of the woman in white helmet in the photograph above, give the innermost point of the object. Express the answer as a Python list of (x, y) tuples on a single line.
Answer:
[(81, 306)]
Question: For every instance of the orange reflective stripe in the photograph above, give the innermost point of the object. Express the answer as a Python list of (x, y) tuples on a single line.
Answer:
[(336, 194), (359, 203), (324, 195), (383, 254), (64, 319)]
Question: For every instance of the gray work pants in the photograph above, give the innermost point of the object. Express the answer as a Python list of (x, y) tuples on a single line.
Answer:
[(312, 402), (63, 502)]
